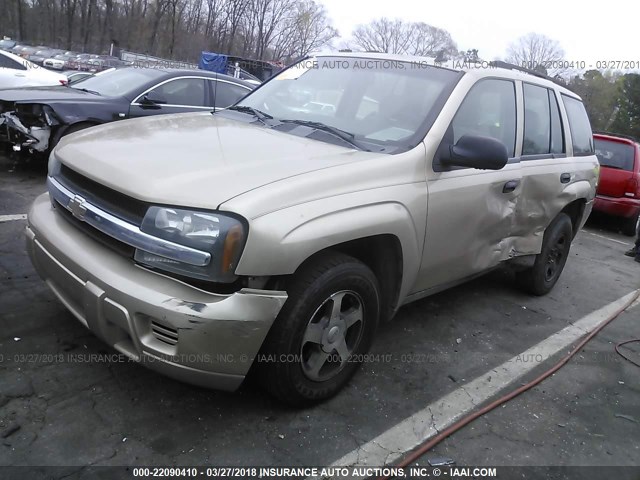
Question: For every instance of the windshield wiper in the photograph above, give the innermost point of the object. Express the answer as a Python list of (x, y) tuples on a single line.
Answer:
[(343, 135), (86, 90), (259, 114)]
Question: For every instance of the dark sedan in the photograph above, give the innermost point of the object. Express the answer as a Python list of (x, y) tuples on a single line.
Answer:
[(39, 56), (36, 118)]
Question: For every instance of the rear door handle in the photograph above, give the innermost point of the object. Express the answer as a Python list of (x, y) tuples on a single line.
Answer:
[(565, 178), (510, 186)]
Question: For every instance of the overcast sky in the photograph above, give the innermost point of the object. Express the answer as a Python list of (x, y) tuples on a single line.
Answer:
[(609, 32)]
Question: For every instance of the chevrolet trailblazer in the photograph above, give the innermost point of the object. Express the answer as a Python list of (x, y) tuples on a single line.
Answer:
[(199, 242)]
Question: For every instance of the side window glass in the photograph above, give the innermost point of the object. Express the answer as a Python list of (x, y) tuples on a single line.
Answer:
[(557, 135), (6, 62), (226, 94), (537, 121), (489, 110), (581, 135), (184, 91)]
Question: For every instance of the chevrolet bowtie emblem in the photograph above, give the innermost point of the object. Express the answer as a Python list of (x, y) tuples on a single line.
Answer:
[(77, 207)]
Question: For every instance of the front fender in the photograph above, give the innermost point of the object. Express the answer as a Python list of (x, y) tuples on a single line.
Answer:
[(280, 241)]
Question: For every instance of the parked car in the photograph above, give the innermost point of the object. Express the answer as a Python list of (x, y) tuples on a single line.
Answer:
[(80, 60), (272, 235), (58, 62), (16, 72), (39, 56), (618, 192), (25, 50), (7, 44), (37, 118), (237, 72), (95, 65)]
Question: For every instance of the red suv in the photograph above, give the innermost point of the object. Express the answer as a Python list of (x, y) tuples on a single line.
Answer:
[(618, 191)]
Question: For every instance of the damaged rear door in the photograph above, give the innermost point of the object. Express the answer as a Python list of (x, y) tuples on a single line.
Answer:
[(546, 169), (471, 212)]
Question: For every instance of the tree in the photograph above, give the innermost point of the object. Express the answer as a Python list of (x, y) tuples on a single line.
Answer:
[(535, 52), (600, 96), (180, 29), (627, 119), (308, 29), (396, 36), (430, 41)]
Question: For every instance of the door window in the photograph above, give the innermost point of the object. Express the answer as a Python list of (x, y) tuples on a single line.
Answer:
[(537, 121), (542, 123), (6, 62), (557, 134), (182, 92), (488, 110)]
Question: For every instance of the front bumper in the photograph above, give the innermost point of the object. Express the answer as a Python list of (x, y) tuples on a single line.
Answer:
[(12, 131), (186, 333), (617, 207)]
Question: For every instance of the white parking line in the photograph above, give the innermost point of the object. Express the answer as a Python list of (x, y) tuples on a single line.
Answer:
[(608, 238), (10, 218), (391, 445)]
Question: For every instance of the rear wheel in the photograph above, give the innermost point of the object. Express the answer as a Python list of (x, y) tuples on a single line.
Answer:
[(327, 324), (631, 226), (543, 275)]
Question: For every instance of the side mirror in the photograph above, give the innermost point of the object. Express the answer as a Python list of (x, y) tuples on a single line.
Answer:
[(152, 99), (475, 151)]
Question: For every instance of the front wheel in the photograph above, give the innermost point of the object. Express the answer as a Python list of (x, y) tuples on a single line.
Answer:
[(549, 263), (327, 324), (76, 127)]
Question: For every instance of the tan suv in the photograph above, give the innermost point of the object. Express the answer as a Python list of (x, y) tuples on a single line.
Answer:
[(276, 235)]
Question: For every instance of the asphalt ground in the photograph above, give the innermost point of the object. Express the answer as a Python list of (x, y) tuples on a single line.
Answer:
[(67, 399)]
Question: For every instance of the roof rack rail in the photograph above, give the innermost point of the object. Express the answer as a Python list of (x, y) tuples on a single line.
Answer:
[(621, 135), (511, 66)]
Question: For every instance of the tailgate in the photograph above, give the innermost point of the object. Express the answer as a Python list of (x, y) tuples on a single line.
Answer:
[(613, 182)]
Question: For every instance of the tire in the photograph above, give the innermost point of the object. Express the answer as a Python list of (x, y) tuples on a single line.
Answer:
[(327, 323), (541, 278), (631, 226)]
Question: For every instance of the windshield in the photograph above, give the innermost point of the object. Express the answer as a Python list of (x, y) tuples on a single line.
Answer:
[(615, 154), (120, 83), (385, 105)]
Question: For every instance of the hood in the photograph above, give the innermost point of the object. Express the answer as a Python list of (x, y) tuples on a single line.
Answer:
[(47, 94), (196, 160)]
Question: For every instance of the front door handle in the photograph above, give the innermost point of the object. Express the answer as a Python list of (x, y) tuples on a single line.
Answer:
[(565, 178), (510, 186)]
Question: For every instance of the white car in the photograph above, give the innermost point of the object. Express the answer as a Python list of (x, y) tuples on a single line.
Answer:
[(19, 72), (59, 61)]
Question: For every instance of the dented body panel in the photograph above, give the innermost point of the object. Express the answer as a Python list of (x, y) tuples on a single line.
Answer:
[(139, 312)]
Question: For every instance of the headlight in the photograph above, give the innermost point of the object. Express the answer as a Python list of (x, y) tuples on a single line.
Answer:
[(223, 236)]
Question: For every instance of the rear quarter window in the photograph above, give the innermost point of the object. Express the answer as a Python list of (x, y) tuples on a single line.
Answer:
[(581, 135)]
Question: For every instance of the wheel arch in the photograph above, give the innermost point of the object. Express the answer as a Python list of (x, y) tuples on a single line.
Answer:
[(575, 210), (382, 235), (383, 255)]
